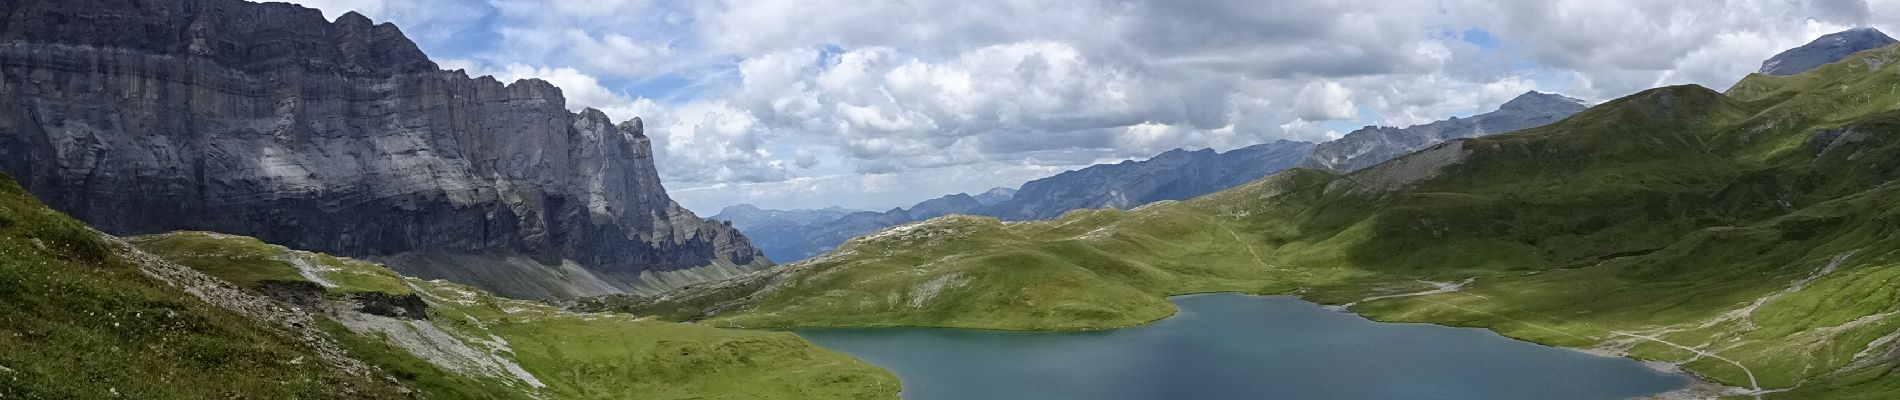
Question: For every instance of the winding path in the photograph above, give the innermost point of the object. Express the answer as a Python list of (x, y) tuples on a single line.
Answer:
[(1754, 385)]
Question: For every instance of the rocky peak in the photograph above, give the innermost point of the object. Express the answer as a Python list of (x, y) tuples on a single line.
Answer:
[(953, 204), (354, 21), (738, 209), (1825, 50), (995, 196), (1534, 102), (537, 89), (594, 114), (634, 127)]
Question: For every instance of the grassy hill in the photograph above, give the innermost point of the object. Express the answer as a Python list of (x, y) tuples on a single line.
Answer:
[(193, 315), (1747, 236), (86, 316)]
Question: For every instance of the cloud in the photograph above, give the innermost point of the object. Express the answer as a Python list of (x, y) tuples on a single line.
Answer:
[(1855, 12), (710, 141), (889, 96), (1622, 46), (617, 54), (1325, 101), (807, 159)]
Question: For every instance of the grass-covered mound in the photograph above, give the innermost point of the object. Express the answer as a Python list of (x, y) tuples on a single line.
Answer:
[(250, 263), (1749, 237)]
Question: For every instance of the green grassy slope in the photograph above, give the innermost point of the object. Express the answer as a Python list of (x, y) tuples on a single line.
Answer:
[(248, 262), (81, 321), (1747, 236), (577, 356), (254, 266)]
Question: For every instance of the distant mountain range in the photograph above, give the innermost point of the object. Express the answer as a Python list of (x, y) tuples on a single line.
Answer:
[(747, 216), (995, 196), (1376, 144), (1177, 174), (780, 234), (1174, 175), (797, 234)]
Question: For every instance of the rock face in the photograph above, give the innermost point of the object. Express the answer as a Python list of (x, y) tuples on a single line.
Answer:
[(1376, 144), (342, 137), (1174, 175), (1825, 50)]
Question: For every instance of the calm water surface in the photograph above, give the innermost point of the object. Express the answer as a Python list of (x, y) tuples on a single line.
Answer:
[(1230, 346)]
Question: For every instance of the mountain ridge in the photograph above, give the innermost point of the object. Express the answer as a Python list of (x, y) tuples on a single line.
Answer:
[(340, 137), (1177, 174), (1372, 145)]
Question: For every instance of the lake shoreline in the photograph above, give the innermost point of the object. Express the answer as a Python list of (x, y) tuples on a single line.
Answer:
[(1688, 383), (1699, 386)]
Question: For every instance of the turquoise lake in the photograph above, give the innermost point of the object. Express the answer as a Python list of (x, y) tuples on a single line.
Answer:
[(1231, 346)]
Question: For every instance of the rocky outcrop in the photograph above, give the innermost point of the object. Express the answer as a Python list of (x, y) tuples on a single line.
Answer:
[(1824, 50), (1375, 144), (1174, 175), (995, 196), (341, 137)]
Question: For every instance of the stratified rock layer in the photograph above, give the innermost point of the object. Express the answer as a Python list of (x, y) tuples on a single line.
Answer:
[(268, 120)]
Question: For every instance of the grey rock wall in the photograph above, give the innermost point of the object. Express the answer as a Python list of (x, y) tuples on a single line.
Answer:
[(341, 137)]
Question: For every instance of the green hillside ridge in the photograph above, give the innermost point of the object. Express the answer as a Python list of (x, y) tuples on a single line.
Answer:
[(85, 317), (1747, 237), (476, 345)]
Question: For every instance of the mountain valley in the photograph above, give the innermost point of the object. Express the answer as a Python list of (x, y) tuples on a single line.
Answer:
[(229, 199)]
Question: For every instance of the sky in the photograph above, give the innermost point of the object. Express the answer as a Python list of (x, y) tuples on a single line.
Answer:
[(873, 104)]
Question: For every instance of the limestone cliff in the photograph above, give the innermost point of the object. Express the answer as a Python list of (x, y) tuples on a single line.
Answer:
[(267, 120)]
